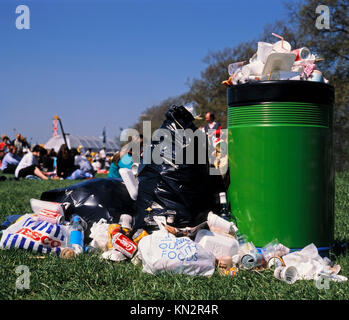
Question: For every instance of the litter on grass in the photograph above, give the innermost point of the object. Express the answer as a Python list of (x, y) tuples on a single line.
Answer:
[(167, 222), (213, 245)]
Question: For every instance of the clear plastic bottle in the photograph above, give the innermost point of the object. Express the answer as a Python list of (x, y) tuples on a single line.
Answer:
[(76, 239)]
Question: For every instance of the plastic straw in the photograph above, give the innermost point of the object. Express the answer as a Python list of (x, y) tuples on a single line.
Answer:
[(282, 39)]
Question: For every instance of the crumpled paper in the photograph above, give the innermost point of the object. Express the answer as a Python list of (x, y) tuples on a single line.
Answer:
[(99, 235)]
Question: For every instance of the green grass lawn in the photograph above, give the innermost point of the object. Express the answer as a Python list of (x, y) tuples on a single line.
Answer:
[(89, 277)]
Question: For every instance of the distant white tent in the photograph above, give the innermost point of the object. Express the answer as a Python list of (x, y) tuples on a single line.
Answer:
[(95, 144)]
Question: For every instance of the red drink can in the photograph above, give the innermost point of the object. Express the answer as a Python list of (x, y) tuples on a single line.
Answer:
[(302, 53), (123, 244)]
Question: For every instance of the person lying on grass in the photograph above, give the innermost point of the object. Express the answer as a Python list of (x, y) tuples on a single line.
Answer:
[(29, 165)]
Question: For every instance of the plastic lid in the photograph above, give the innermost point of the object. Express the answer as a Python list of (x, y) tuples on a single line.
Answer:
[(76, 219)]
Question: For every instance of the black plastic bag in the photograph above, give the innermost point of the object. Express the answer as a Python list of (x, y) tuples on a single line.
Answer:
[(94, 199), (184, 187)]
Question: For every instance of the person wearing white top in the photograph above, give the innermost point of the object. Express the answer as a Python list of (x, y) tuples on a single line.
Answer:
[(29, 165)]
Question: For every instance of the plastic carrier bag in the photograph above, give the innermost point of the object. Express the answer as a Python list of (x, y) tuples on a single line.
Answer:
[(163, 252), (35, 235)]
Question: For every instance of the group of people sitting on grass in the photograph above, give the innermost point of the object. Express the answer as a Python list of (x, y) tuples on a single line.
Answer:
[(38, 163), (35, 162), (71, 164)]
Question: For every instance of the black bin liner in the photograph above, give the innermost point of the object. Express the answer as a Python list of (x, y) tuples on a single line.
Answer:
[(185, 188), (94, 199)]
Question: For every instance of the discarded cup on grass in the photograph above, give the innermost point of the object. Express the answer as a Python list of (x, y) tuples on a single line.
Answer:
[(286, 274)]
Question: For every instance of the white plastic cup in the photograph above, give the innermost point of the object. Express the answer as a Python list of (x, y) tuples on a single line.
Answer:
[(286, 274), (126, 221), (263, 51), (217, 222)]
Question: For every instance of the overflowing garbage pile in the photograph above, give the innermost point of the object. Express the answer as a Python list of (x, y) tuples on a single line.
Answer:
[(214, 244), (277, 61)]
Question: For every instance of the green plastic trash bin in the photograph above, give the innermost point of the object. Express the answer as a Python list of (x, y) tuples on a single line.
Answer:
[(280, 153)]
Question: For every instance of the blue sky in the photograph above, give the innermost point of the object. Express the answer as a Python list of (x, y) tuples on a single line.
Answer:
[(99, 63)]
